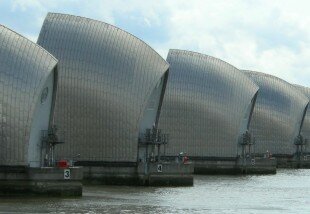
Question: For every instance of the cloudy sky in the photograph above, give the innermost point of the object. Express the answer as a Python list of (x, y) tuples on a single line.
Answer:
[(262, 35)]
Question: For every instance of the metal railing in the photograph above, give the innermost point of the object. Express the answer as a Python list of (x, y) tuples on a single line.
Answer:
[(50, 139)]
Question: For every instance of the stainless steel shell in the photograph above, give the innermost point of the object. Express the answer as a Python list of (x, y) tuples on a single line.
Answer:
[(106, 76), (305, 129), (204, 106), (24, 68), (277, 114)]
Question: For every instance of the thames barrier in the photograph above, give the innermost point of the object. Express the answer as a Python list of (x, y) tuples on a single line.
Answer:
[(90, 103)]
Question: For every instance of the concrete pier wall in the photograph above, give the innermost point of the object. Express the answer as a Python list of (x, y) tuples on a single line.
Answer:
[(235, 166), (212, 167), (168, 174), (47, 181), (293, 162), (153, 174), (259, 166), (110, 175)]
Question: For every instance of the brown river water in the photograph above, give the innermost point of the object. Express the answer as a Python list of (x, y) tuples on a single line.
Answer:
[(286, 192)]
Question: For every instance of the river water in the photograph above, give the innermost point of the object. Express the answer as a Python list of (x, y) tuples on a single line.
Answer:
[(286, 192)]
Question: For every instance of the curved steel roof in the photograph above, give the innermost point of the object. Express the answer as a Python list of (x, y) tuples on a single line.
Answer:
[(24, 68), (106, 77), (204, 106), (277, 115)]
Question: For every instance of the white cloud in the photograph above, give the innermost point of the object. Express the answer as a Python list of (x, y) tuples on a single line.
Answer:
[(33, 38), (23, 5), (268, 36)]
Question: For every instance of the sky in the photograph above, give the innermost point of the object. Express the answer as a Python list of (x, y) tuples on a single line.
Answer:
[(261, 35)]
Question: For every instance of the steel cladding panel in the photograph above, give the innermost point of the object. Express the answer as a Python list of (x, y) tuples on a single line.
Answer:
[(305, 130), (106, 76), (277, 114), (204, 105), (24, 68)]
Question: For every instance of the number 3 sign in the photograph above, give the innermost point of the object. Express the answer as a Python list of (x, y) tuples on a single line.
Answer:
[(67, 174)]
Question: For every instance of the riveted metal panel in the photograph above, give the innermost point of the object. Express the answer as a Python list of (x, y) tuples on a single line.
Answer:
[(305, 129), (24, 68), (106, 76), (277, 114), (204, 105)]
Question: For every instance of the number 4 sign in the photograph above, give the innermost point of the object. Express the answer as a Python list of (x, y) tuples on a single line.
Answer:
[(159, 168), (67, 174)]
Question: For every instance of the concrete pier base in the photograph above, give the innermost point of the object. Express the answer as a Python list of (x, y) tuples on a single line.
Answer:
[(48, 181), (111, 174), (234, 166), (215, 167), (151, 174), (167, 174), (259, 166), (293, 162)]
